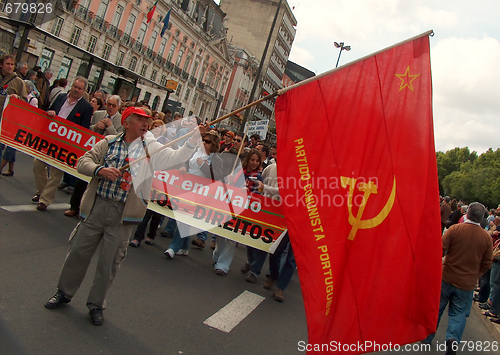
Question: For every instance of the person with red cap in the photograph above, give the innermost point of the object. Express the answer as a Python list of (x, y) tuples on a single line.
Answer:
[(112, 205)]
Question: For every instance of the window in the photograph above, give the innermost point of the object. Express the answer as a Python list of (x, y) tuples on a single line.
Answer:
[(119, 59), (141, 34), (186, 64), (152, 40), (117, 16), (163, 44), (32, 17), (144, 69), (163, 80), (178, 91), (224, 82), (186, 96), (2, 4), (65, 67), (171, 52), (203, 70), (133, 63), (179, 57), (75, 36), (56, 26), (195, 68), (210, 78), (217, 81), (107, 51), (103, 7), (195, 97), (130, 24), (91, 45), (153, 75)]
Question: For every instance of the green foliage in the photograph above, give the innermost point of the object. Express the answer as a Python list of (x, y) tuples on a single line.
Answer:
[(469, 177)]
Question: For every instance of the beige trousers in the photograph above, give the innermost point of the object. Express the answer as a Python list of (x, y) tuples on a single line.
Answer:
[(102, 226), (46, 186)]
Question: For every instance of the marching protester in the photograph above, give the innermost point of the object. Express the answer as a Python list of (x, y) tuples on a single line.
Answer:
[(10, 85), (468, 252), (43, 86), (57, 90), (248, 178), (227, 143), (104, 122), (22, 70), (445, 212), (156, 218), (74, 108), (205, 163), (281, 276), (110, 208), (97, 104)]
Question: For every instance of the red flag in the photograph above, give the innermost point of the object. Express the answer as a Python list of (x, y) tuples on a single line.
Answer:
[(365, 228), (151, 12)]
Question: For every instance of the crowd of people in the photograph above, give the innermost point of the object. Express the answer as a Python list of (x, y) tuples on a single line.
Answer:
[(113, 217), (471, 251)]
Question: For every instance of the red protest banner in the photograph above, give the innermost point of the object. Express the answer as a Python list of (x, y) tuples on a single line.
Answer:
[(222, 209), (367, 244), (55, 141)]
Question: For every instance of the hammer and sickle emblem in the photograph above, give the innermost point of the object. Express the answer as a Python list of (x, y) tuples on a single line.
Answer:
[(368, 189)]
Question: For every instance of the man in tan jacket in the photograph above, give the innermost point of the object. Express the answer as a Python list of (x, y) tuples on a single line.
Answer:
[(111, 207)]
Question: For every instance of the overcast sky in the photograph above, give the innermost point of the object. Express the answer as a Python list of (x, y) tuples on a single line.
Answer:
[(465, 54)]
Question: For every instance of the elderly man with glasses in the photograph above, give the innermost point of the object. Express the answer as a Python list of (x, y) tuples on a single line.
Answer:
[(108, 121)]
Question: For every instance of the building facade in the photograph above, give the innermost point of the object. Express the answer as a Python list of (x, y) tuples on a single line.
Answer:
[(193, 51), (249, 23)]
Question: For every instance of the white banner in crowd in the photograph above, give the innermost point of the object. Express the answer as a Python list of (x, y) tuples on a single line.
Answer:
[(259, 127)]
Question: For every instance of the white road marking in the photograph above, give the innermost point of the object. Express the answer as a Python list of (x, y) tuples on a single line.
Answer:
[(234, 312), (32, 207)]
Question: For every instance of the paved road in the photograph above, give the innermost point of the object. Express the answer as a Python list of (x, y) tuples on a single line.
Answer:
[(155, 306)]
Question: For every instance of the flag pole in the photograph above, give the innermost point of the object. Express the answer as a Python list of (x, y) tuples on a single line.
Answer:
[(189, 134), (322, 75), (279, 93)]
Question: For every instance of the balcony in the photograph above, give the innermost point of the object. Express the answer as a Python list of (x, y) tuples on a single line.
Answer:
[(177, 70), (98, 23), (184, 75), (125, 39), (192, 81), (90, 17), (81, 13), (68, 5), (137, 47), (210, 91), (201, 86), (113, 31)]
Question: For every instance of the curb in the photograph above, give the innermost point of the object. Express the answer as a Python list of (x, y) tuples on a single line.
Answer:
[(492, 327)]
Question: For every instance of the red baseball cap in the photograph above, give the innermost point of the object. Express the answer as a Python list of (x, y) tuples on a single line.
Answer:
[(133, 110)]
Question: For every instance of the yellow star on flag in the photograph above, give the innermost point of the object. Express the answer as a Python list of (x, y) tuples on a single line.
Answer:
[(406, 79)]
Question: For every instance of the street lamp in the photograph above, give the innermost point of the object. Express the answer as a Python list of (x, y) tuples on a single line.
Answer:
[(342, 48)]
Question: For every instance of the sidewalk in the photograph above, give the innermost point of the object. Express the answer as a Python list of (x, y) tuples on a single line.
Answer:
[(492, 327)]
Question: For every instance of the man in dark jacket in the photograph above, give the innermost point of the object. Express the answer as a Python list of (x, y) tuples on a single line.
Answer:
[(74, 108)]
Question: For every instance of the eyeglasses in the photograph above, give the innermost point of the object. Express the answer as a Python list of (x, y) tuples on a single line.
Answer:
[(237, 140), (207, 141), (227, 135), (112, 105)]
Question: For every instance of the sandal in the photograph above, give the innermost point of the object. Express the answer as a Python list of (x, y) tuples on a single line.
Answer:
[(495, 320), (8, 173), (134, 243), (489, 314)]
